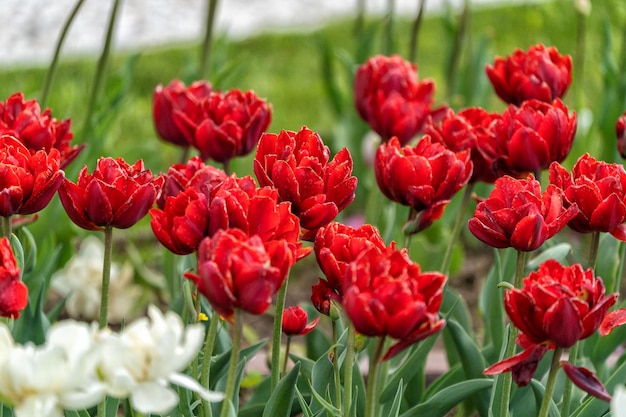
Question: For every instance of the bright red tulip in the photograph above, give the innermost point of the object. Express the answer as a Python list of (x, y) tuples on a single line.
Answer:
[(115, 194), (322, 296), (539, 73), (620, 132), (295, 322), (599, 190), (464, 131), (177, 110), (37, 130), (297, 164), (194, 174), (240, 271), (386, 294), (516, 214), (28, 181), (13, 292), (232, 126), (389, 97), (424, 177)]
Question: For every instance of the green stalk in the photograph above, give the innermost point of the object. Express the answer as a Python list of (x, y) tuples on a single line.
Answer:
[(278, 324), (388, 40), (232, 366), (57, 53), (593, 249), (460, 215), (209, 346), (6, 227), (205, 58), (106, 276), (347, 371), (547, 396), (286, 361), (457, 46), (336, 373), (371, 393), (100, 70), (360, 18), (415, 29)]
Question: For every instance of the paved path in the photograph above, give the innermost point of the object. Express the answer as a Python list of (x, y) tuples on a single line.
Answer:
[(29, 28)]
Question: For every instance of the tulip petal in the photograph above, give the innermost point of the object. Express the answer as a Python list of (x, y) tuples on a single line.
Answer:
[(522, 366), (612, 320), (584, 379), (563, 324)]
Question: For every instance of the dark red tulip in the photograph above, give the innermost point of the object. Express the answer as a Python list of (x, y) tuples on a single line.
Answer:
[(295, 322), (424, 177), (539, 73), (516, 214), (620, 132), (599, 190), (522, 366), (298, 165), (28, 181), (386, 294), (13, 292), (530, 137), (322, 296), (177, 110), (464, 131), (232, 125), (240, 271), (194, 174), (184, 221), (37, 130), (115, 194), (389, 97)]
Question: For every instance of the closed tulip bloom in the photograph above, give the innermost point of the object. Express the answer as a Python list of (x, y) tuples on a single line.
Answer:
[(13, 292), (386, 294), (36, 130), (539, 73), (177, 110), (232, 126), (295, 322), (389, 97), (240, 271), (115, 194), (298, 165), (28, 181), (424, 177), (464, 131), (599, 190), (322, 297), (530, 137), (620, 132), (517, 214)]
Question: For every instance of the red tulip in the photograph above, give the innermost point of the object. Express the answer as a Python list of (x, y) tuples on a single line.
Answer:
[(27, 181), (194, 174), (386, 294), (516, 214), (13, 292), (424, 177), (322, 296), (389, 97), (295, 322), (540, 73), (184, 221), (116, 194), (530, 137), (464, 131), (232, 126), (240, 271), (298, 166), (599, 191), (177, 110), (620, 132), (37, 130)]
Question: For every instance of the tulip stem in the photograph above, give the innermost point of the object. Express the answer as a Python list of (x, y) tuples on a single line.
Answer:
[(278, 326), (457, 47), (371, 393), (388, 39), (232, 366), (106, 276), (519, 270), (347, 371), (6, 227), (209, 345), (205, 59), (447, 258), (547, 396), (567, 389), (284, 370), (415, 29), (593, 249), (335, 354)]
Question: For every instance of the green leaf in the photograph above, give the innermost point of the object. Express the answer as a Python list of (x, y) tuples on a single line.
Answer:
[(111, 406), (32, 325), (539, 391), (592, 406), (445, 400), (279, 403), (558, 252), (219, 366), (325, 404), (497, 390), (394, 410)]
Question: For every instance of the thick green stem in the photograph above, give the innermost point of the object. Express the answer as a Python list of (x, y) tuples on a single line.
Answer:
[(209, 345), (335, 365), (6, 227), (567, 389), (519, 270), (100, 70), (371, 393), (205, 59), (232, 366), (106, 276), (286, 361), (547, 396), (415, 29), (593, 249), (57, 53), (278, 324), (457, 47), (456, 231), (226, 165), (347, 371)]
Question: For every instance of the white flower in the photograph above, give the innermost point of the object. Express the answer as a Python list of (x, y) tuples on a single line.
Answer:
[(618, 402), (81, 281), (146, 356)]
